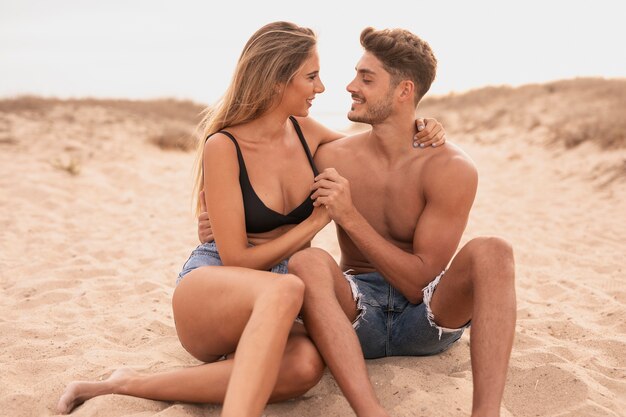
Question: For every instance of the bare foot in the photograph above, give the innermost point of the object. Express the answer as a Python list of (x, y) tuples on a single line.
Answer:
[(378, 411), (78, 392)]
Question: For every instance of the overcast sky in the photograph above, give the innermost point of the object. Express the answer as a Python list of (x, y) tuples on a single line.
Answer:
[(155, 48)]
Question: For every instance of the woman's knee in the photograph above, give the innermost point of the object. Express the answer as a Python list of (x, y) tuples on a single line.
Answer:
[(309, 259), (305, 374), (286, 292), (292, 285), (303, 368)]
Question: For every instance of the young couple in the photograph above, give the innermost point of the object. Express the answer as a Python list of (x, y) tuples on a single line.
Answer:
[(266, 312)]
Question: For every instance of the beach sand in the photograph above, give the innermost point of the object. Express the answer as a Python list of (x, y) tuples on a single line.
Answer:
[(96, 223)]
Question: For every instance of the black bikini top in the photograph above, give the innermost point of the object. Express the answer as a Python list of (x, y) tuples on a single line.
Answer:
[(259, 217)]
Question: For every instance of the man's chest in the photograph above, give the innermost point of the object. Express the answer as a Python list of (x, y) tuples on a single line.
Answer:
[(390, 202)]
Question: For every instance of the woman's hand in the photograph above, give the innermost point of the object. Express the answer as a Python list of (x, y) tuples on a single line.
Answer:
[(320, 217), (205, 233), (429, 133)]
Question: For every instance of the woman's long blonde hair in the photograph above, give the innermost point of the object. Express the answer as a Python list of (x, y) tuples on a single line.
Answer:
[(270, 58)]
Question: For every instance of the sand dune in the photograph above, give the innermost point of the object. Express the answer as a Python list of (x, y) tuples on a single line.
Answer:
[(96, 223)]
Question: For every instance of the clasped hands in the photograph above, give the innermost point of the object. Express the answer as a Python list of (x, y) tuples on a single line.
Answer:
[(332, 191)]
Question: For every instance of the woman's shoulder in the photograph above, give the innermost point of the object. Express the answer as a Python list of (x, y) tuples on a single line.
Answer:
[(220, 147), (308, 125), (316, 133), (221, 140)]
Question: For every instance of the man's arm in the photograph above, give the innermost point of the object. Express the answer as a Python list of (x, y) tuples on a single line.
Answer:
[(450, 187)]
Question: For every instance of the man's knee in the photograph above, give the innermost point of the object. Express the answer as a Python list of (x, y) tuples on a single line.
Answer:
[(310, 259), (491, 250), (490, 247)]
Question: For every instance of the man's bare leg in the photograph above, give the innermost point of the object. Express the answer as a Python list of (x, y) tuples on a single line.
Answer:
[(480, 285), (301, 369), (328, 311)]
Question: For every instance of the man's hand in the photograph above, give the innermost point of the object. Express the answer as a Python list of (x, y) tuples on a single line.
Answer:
[(429, 133), (205, 233), (332, 191)]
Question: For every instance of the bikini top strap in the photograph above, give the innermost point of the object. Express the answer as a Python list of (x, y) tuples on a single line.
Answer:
[(296, 125)]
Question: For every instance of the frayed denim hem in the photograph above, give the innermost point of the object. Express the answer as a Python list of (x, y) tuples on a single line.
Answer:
[(356, 296), (428, 292)]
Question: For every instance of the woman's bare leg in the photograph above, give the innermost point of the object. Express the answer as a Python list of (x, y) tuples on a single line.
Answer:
[(218, 310), (261, 347), (300, 370)]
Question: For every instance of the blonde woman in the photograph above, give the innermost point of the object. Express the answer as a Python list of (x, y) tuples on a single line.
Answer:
[(235, 308)]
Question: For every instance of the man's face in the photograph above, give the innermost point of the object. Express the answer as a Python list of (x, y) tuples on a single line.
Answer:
[(372, 94)]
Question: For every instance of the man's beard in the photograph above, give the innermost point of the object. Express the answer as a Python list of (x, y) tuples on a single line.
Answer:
[(377, 112)]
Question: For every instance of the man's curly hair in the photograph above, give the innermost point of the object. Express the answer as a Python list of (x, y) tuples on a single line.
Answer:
[(404, 55)]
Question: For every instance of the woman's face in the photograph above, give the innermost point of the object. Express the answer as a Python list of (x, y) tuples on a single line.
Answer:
[(301, 90)]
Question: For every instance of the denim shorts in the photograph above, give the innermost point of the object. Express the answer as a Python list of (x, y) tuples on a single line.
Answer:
[(207, 255), (389, 325)]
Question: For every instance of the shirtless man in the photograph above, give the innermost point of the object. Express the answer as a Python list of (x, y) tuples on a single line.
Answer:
[(400, 214)]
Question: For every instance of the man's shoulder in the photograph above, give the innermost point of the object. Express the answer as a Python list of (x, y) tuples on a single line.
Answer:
[(450, 168), (450, 157)]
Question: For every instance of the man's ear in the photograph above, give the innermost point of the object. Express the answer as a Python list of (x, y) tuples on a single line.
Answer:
[(407, 90)]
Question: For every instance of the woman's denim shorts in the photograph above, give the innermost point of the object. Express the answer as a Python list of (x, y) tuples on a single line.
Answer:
[(207, 255)]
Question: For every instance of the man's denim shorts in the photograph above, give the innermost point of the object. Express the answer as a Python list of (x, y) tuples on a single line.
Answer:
[(207, 255), (389, 325)]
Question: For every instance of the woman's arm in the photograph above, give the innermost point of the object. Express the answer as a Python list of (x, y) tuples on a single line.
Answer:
[(224, 204), (429, 133), (317, 134)]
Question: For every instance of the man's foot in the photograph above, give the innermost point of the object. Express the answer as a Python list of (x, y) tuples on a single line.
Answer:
[(77, 392)]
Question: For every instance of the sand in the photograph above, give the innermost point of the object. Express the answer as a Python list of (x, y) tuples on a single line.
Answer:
[(95, 224)]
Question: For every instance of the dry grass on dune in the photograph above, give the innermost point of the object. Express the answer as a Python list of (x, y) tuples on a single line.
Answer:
[(568, 112), (184, 110), (175, 138), (177, 118)]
